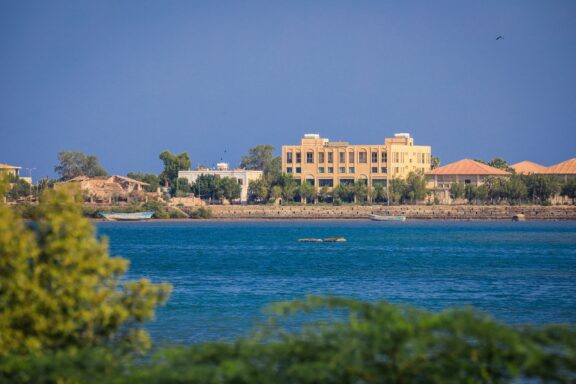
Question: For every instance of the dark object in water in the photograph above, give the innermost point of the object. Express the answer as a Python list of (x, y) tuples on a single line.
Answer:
[(326, 240), (519, 217)]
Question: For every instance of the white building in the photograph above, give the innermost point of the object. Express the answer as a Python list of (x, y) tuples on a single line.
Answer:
[(243, 176)]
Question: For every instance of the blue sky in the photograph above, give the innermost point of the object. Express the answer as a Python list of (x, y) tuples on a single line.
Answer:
[(125, 80)]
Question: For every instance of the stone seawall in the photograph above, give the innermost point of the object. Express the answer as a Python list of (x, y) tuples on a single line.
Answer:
[(418, 212)]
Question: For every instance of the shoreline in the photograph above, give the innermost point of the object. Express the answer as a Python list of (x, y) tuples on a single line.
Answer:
[(247, 213)]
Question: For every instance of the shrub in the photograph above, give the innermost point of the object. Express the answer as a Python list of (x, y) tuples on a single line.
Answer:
[(59, 288), (201, 213)]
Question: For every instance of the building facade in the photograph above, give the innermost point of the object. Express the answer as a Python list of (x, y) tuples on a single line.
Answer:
[(464, 171), (324, 163), (243, 176)]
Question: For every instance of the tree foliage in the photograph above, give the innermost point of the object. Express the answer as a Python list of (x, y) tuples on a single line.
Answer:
[(349, 342), (59, 288), (306, 192), (258, 157), (148, 178), (457, 190), (435, 162), (172, 164), (72, 164)]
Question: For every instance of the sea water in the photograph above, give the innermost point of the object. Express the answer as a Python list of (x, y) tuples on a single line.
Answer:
[(224, 273)]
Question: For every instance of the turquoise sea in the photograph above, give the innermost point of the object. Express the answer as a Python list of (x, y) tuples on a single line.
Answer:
[(223, 273)]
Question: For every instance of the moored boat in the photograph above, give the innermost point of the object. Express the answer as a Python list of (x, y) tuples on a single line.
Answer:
[(386, 218), (135, 216)]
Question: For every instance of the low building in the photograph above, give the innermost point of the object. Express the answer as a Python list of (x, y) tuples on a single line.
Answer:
[(109, 189), (324, 163), (528, 168), (243, 176), (464, 171), (6, 170), (563, 170)]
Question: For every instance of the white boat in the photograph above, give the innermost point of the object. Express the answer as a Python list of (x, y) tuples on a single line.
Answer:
[(127, 216), (386, 218)]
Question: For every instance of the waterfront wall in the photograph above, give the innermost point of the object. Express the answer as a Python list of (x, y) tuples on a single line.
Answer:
[(419, 212)]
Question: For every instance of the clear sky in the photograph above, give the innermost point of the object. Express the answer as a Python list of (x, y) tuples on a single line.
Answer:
[(125, 80)]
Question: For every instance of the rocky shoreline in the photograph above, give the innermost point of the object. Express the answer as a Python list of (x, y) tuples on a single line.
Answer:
[(418, 212)]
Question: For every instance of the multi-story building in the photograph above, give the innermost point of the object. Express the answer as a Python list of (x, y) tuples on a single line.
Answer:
[(325, 163), (243, 176)]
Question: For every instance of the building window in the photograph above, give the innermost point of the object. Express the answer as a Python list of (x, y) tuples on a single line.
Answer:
[(342, 169), (342, 157), (330, 157), (298, 170), (240, 182), (321, 170), (384, 157), (351, 157), (325, 182), (310, 157), (321, 157), (362, 157), (289, 157), (298, 157), (384, 170), (374, 169), (330, 169), (374, 157), (351, 170), (467, 181), (289, 170)]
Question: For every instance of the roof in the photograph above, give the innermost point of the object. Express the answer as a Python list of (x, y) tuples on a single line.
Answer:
[(130, 180), (467, 167), (528, 167), (567, 167), (6, 166)]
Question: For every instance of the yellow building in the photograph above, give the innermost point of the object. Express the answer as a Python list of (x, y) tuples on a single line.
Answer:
[(325, 163)]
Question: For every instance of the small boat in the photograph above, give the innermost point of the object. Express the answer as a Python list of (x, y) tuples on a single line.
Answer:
[(386, 218), (136, 216)]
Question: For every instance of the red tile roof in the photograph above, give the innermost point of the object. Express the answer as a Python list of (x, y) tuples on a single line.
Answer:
[(467, 167), (567, 167), (528, 167)]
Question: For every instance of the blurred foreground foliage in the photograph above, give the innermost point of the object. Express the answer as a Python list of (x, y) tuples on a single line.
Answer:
[(60, 289), (346, 342)]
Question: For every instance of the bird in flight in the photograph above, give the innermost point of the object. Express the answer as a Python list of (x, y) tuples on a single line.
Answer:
[(499, 37)]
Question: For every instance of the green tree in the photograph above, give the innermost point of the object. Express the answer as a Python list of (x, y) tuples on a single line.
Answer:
[(324, 194), (273, 169), (183, 188), (435, 162), (569, 189), (228, 188), (398, 190), (258, 190), (471, 193), (500, 164), (360, 191), (148, 178), (343, 192), (173, 164), (206, 186), (379, 193), (416, 187), (541, 187), (306, 192), (59, 288), (258, 157), (516, 190), (457, 190), (19, 189), (73, 164), (276, 192)]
